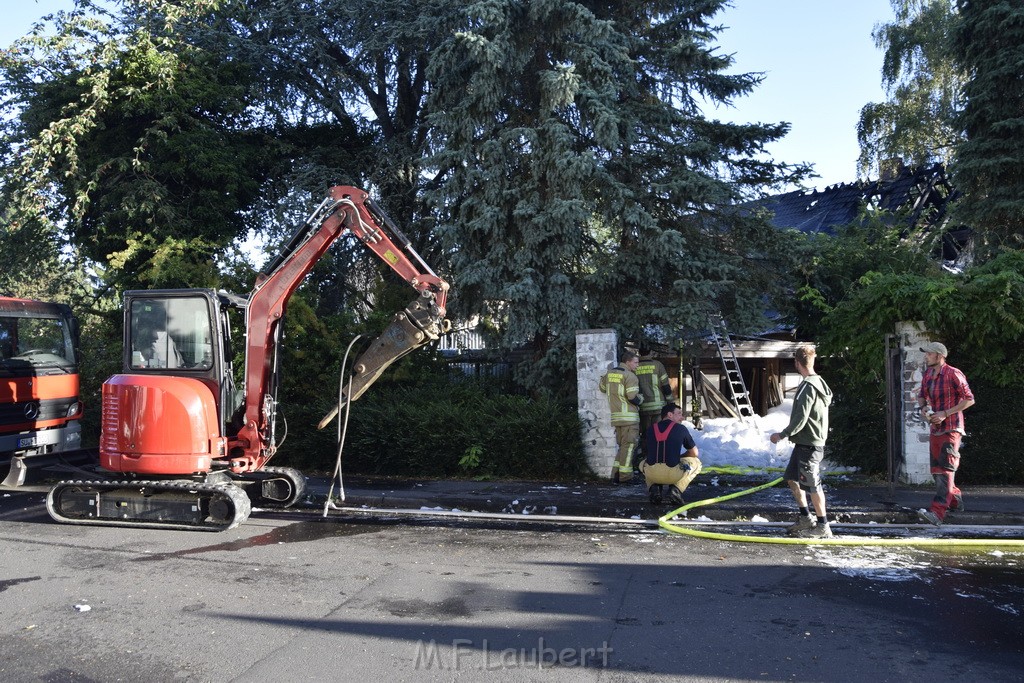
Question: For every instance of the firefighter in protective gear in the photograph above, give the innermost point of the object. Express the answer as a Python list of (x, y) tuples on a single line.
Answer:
[(624, 399), (655, 388), (672, 456)]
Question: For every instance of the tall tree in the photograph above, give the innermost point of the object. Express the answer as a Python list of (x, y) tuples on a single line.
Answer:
[(924, 87), (580, 181), (344, 85), (361, 62), (989, 169), (136, 147), (577, 177)]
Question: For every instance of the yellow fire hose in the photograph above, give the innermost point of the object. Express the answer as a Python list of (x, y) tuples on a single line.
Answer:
[(666, 522)]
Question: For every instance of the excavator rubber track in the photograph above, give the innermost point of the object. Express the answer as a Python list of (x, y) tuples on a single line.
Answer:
[(276, 487), (168, 504)]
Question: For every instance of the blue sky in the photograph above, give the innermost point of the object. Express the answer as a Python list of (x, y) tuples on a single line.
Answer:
[(19, 15), (820, 64)]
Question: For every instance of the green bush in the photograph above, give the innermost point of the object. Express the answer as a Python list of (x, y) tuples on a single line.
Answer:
[(857, 436), (995, 429), (442, 427), (979, 314)]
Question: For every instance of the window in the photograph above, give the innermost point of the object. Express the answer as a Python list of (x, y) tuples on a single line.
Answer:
[(172, 333), (38, 341)]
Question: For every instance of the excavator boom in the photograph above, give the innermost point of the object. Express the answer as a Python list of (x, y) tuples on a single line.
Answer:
[(346, 210)]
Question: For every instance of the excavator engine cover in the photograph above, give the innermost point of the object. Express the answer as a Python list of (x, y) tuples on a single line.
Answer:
[(158, 424)]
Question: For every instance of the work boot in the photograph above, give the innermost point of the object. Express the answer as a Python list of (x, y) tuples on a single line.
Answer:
[(817, 531), (929, 516), (803, 524), (654, 493), (676, 496)]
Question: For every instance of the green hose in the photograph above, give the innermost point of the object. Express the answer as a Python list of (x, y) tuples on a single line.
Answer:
[(665, 523), (736, 469)]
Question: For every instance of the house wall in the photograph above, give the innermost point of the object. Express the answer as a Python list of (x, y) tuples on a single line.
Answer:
[(596, 352)]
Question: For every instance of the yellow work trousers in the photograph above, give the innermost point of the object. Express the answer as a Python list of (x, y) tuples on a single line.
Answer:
[(626, 437), (660, 473)]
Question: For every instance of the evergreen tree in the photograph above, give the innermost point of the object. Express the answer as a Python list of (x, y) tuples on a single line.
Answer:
[(581, 183), (989, 169), (577, 178)]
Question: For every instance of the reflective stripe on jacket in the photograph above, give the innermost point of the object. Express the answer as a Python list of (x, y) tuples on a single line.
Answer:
[(621, 385), (653, 378)]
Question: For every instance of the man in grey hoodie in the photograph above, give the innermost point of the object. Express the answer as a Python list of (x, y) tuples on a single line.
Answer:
[(808, 429)]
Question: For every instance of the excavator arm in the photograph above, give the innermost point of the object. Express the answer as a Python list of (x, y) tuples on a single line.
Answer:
[(345, 210)]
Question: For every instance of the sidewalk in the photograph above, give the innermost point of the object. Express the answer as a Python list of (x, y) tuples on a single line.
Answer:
[(850, 499)]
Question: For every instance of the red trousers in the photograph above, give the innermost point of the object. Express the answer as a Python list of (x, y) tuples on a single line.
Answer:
[(945, 459)]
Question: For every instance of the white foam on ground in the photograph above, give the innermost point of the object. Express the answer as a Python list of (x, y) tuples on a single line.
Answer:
[(874, 563)]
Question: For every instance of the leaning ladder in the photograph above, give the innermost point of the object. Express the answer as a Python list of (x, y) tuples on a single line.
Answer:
[(731, 366)]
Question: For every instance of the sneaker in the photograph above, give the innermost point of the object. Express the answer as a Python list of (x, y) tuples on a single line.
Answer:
[(929, 516), (817, 531), (654, 493), (675, 495), (805, 522)]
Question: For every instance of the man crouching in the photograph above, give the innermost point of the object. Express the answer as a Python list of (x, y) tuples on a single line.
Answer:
[(671, 456)]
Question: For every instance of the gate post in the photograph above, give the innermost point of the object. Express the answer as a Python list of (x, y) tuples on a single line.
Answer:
[(595, 354), (916, 466)]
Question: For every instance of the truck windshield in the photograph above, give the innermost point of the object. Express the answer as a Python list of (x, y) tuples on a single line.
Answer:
[(32, 342), (171, 333)]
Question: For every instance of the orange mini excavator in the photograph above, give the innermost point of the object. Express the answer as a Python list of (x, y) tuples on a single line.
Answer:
[(181, 446)]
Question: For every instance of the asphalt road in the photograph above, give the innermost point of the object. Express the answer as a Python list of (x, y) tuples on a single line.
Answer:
[(299, 598)]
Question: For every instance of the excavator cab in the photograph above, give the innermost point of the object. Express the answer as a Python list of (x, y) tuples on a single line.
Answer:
[(185, 333)]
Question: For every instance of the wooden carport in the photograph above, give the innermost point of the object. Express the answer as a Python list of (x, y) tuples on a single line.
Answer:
[(764, 363)]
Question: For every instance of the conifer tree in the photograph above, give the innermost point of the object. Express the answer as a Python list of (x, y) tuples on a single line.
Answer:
[(572, 174), (581, 182), (989, 169)]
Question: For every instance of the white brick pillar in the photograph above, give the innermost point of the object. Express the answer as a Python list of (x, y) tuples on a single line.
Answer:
[(595, 354), (916, 467)]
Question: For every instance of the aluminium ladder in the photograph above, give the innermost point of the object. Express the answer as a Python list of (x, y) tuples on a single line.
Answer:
[(731, 366)]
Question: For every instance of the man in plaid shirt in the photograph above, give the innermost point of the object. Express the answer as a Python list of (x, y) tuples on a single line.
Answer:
[(943, 398)]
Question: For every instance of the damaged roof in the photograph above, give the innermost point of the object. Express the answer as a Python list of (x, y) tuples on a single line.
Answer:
[(923, 191)]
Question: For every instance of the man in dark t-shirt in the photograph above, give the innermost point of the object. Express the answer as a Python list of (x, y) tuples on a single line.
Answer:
[(671, 456)]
